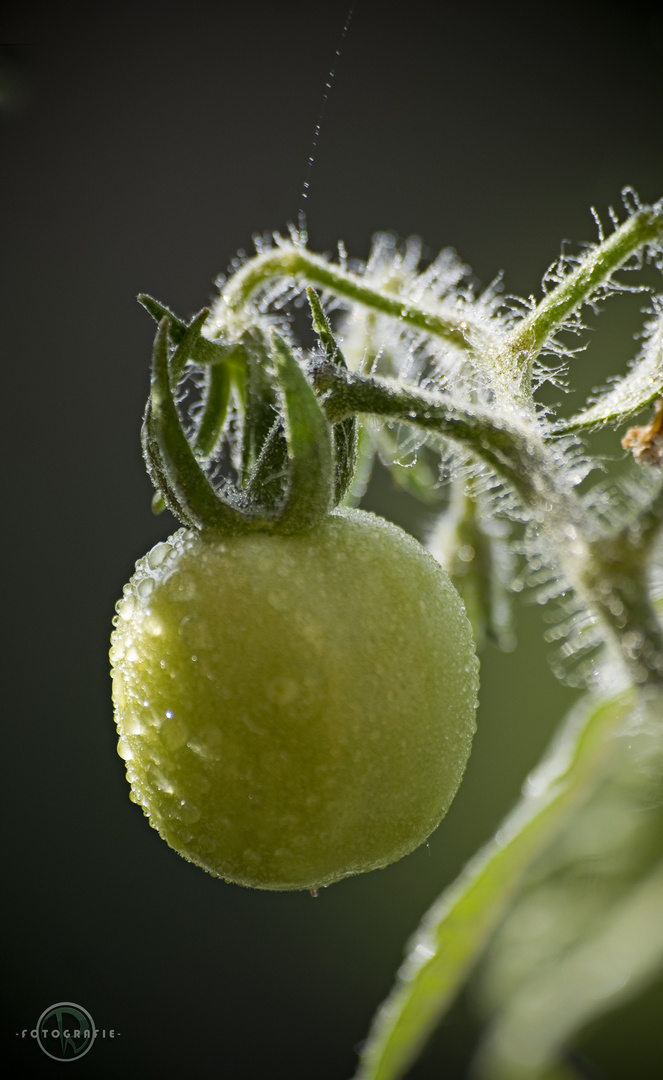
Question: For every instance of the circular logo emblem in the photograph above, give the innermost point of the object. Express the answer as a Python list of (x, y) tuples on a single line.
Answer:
[(65, 1031)]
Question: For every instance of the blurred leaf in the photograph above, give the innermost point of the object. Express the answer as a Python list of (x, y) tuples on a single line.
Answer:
[(584, 936), (457, 928), (606, 968)]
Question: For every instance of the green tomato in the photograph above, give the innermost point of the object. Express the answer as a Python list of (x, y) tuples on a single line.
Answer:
[(293, 709)]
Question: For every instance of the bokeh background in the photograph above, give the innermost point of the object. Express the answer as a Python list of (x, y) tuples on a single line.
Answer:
[(141, 155)]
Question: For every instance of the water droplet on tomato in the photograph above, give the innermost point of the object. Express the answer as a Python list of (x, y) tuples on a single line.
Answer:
[(124, 750), (117, 651), (132, 724), (157, 555), (187, 812), (159, 780), (125, 607)]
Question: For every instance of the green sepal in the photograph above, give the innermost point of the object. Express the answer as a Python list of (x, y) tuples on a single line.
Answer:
[(284, 446), (158, 311), (157, 471), (344, 433), (204, 351), (215, 409), (309, 443), (260, 401), (267, 481), (170, 459)]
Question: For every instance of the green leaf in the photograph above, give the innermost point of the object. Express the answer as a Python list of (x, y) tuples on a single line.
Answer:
[(615, 962), (457, 928), (599, 945)]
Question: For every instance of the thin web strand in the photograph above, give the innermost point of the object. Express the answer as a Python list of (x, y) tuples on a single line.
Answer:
[(306, 185)]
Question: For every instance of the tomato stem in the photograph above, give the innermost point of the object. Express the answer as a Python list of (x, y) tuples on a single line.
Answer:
[(517, 458)]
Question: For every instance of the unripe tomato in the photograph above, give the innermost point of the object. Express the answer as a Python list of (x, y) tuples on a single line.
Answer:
[(293, 708)]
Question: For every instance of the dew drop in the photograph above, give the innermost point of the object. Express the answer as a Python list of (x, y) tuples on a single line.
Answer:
[(157, 555), (117, 652), (133, 725), (125, 608), (145, 588), (188, 812), (159, 780), (119, 696), (124, 750)]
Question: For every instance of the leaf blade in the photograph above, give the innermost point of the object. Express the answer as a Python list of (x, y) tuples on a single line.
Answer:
[(458, 926)]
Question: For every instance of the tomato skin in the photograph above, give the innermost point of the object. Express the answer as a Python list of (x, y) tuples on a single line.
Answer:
[(293, 709)]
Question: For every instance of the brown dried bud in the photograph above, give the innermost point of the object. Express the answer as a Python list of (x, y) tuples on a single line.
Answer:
[(646, 443)]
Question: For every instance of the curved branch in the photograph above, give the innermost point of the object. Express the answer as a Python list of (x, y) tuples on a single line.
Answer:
[(522, 460), (526, 340), (291, 261)]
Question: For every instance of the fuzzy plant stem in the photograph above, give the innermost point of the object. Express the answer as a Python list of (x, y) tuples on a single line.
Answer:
[(609, 573), (525, 342), (293, 261)]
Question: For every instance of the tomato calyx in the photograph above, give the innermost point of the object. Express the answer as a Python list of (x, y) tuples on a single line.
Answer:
[(259, 453)]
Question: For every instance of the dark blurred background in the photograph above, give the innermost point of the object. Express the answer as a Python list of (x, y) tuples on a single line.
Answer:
[(140, 155)]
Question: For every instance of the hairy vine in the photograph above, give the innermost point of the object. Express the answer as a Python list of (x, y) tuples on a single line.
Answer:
[(418, 355)]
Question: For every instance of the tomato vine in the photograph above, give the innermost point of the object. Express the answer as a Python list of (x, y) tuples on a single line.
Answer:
[(253, 439)]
